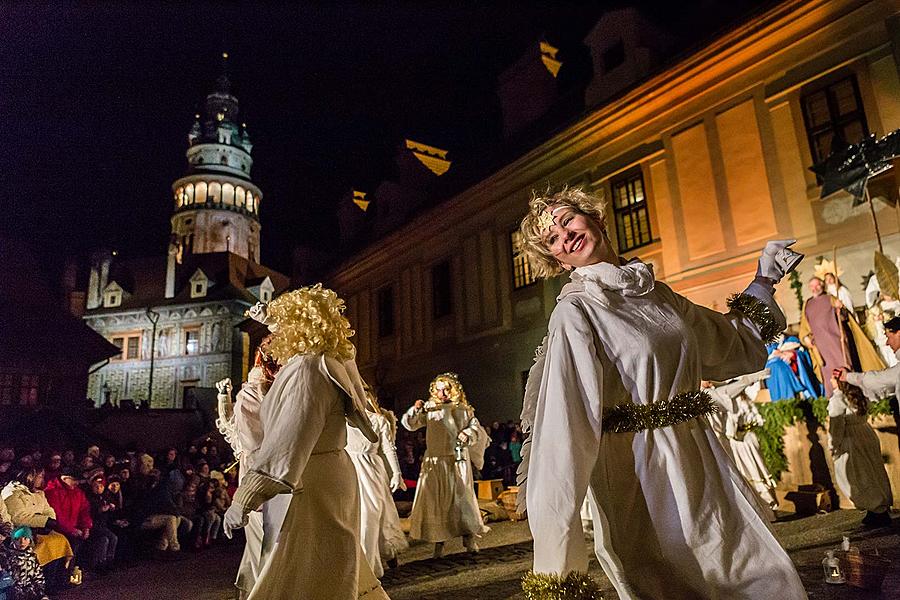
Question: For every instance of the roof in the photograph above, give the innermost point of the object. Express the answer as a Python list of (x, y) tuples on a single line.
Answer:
[(230, 276)]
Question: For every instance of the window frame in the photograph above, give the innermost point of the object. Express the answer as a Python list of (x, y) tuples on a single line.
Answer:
[(519, 263), (184, 336), (126, 338), (836, 122), (627, 179)]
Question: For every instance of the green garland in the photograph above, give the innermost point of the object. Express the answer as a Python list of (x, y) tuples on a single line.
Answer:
[(662, 413), (880, 408), (797, 286), (820, 409), (575, 586), (756, 310), (777, 416)]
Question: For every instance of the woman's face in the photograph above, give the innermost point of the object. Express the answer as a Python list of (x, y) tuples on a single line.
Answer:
[(97, 486), (114, 487), (829, 279), (38, 482), (575, 239)]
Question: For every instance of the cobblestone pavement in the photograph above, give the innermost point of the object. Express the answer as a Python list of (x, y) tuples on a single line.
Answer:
[(493, 573)]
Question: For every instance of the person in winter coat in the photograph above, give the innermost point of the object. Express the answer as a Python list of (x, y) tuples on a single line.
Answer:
[(73, 513), (29, 582)]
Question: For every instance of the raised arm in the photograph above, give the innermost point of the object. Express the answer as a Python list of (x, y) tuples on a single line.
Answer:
[(225, 422), (414, 418), (564, 443), (876, 384)]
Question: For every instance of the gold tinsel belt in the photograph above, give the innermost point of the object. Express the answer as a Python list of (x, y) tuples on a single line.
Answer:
[(638, 417)]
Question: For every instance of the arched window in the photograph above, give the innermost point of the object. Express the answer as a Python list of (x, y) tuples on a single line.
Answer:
[(228, 194), (215, 192), (240, 196), (179, 197), (249, 201), (189, 193), (200, 192)]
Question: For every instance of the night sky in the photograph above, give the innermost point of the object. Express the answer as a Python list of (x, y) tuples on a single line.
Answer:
[(96, 101)]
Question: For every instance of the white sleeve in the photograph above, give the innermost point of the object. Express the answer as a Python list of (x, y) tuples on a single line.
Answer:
[(565, 443), (414, 418), (387, 445), (876, 384)]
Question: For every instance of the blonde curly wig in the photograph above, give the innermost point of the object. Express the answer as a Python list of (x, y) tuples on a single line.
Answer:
[(543, 263), (309, 320), (457, 394)]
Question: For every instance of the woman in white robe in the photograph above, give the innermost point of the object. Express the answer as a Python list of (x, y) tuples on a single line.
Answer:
[(612, 405), (858, 465), (380, 533), (317, 555), (241, 427), (445, 505), (734, 424)]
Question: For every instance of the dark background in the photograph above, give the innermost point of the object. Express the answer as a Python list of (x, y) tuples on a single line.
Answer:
[(96, 101)]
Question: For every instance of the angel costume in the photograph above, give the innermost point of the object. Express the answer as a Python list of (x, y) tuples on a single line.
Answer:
[(380, 532), (734, 425), (445, 505), (317, 555), (673, 518), (858, 466)]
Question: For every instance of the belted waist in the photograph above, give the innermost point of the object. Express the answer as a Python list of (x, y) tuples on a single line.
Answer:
[(662, 413)]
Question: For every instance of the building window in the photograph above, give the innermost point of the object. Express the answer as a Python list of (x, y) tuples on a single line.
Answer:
[(265, 295), (630, 210), (192, 341), (198, 289), (112, 298), (834, 117), (28, 390), (130, 346), (386, 311), (522, 276), (441, 290)]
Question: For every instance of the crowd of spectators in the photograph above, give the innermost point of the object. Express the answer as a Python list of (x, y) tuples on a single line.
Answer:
[(84, 514)]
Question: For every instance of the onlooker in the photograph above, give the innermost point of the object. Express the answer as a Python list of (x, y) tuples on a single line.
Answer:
[(29, 582), (210, 521), (103, 541), (160, 511), (73, 512)]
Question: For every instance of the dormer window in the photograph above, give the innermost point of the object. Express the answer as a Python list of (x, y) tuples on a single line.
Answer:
[(112, 295), (199, 284), (265, 295)]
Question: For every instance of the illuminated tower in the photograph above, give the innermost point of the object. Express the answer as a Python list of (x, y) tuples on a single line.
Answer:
[(216, 203)]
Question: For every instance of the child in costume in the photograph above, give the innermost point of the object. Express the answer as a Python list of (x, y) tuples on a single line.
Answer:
[(28, 577)]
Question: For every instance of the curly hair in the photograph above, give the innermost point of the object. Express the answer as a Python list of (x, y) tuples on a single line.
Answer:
[(457, 393), (543, 263), (309, 320)]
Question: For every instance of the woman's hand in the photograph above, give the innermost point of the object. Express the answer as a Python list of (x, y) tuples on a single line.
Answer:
[(419, 405)]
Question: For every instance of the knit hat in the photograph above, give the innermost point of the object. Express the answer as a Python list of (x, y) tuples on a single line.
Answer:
[(22, 531)]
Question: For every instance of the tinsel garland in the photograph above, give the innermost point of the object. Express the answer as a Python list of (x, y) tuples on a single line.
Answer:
[(638, 417), (757, 311), (574, 586)]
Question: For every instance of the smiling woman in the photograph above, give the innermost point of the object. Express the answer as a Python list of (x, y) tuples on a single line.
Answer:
[(613, 413)]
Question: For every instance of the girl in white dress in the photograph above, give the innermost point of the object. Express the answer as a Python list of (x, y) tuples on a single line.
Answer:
[(381, 535), (445, 505), (304, 417), (858, 466), (612, 407)]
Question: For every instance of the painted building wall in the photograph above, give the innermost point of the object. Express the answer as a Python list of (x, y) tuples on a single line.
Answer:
[(220, 353), (720, 142)]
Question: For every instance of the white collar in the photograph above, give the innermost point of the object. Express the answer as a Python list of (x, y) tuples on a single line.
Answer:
[(634, 278)]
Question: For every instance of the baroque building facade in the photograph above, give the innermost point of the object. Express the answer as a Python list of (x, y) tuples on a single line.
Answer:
[(701, 161), (175, 318)]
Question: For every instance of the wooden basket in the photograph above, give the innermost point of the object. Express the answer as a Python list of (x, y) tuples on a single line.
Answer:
[(863, 570)]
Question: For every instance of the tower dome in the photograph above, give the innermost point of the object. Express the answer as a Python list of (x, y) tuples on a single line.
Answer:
[(216, 202)]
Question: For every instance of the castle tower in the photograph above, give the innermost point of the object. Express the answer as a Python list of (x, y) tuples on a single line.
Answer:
[(216, 203)]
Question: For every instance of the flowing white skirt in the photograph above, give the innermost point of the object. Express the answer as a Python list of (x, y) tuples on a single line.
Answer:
[(445, 505), (380, 534)]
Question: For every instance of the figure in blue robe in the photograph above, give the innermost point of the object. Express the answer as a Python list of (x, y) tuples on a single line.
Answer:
[(784, 383)]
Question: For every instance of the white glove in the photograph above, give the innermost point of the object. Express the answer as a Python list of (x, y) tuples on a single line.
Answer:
[(235, 518), (463, 437), (397, 482), (777, 260), (224, 386)]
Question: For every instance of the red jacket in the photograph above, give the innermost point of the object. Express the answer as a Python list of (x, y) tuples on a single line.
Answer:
[(72, 508)]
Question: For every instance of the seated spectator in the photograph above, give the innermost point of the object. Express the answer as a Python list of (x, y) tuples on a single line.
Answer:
[(29, 582), (160, 511), (119, 522), (68, 458), (103, 541), (190, 509), (54, 466), (7, 464), (515, 446), (210, 521), (27, 505), (109, 464), (203, 469), (73, 514), (169, 462), (212, 457)]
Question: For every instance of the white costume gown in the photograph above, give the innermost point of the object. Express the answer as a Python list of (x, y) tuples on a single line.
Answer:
[(380, 532), (731, 426), (858, 466), (316, 553), (243, 432), (673, 518), (445, 505)]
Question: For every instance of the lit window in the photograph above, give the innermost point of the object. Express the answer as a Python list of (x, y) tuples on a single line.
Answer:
[(179, 197), (834, 117), (119, 343), (133, 351), (191, 341), (522, 276), (240, 196), (386, 311), (215, 192), (249, 201), (220, 116), (200, 195), (630, 210), (112, 298), (189, 193), (441, 290), (228, 194)]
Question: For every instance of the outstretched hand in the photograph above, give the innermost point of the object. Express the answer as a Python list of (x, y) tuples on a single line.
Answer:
[(235, 518), (224, 386)]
